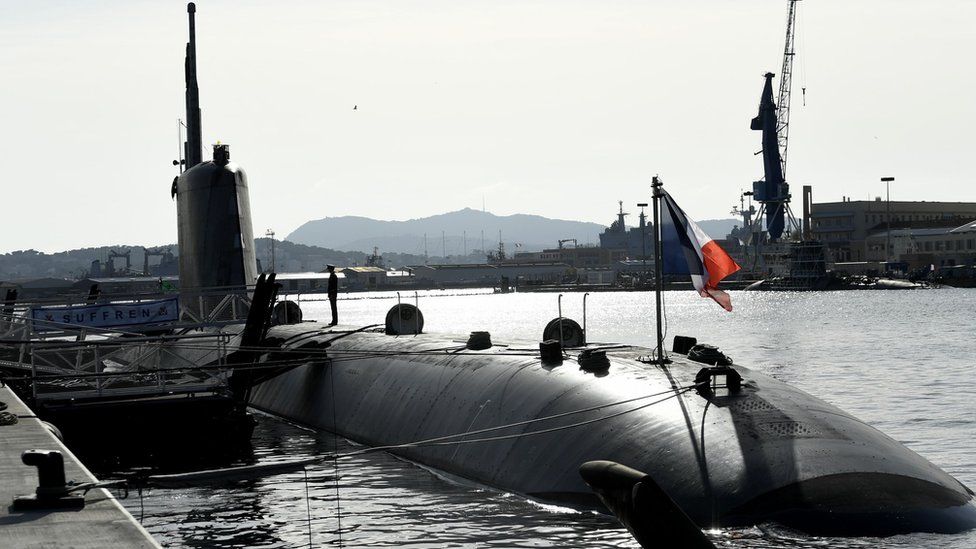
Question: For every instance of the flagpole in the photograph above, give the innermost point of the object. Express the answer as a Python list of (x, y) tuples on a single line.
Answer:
[(658, 267)]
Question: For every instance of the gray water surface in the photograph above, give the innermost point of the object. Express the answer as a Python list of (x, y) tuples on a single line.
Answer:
[(901, 361)]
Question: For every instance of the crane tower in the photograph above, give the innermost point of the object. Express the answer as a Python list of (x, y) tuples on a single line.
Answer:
[(773, 192), (785, 85)]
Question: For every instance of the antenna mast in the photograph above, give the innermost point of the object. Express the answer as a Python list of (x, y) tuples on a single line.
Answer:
[(194, 143), (785, 84)]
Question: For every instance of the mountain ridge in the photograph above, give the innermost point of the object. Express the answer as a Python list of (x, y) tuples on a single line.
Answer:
[(458, 232), (292, 256)]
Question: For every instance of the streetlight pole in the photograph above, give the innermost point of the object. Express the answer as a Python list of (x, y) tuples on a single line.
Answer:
[(887, 181), (270, 233), (643, 228)]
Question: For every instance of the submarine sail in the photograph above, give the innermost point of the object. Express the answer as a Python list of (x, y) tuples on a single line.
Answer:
[(216, 238)]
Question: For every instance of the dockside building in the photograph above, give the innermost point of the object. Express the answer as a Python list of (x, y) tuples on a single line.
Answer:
[(846, 227)]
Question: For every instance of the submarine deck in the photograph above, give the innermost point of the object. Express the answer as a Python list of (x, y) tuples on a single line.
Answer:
[(502, 417)]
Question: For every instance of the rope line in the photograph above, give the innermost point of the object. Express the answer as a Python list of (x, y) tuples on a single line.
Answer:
[(308, 507), (306, 355), (436, 441), (445, 440), (335, 453)]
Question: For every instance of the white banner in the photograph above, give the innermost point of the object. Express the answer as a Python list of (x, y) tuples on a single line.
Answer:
[(106, 315)]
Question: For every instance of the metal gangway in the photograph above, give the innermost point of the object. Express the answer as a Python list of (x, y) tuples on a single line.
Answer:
[(184, 352), (129, 367)]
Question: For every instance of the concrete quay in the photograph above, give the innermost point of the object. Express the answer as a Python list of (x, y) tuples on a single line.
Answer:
[(102, 523)]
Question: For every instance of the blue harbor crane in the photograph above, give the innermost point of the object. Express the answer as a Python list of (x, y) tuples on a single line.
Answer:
[(773, 192)]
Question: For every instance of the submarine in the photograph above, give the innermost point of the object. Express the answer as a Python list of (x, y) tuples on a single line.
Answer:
[(728, 445)]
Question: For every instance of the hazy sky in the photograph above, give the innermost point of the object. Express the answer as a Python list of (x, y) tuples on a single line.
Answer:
[(558, 107)]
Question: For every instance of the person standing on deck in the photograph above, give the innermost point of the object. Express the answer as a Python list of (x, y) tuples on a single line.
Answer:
[(333, 292)]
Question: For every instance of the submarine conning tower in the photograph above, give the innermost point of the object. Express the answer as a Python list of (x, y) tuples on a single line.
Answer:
[(213, 213), (215, 234)]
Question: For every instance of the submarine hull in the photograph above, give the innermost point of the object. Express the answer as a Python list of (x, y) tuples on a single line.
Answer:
[(767, 453)]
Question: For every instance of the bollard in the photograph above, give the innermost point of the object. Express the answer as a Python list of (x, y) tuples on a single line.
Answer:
[(52, 492)]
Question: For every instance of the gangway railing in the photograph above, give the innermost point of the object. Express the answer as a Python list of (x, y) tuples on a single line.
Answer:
[(60, 356), (70, 360), (146, 366), (198, 309)]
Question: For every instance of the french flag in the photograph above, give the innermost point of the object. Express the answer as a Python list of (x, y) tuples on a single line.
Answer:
[(688, 250)]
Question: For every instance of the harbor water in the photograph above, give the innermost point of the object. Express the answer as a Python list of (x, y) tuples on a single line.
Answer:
[(901, 361)]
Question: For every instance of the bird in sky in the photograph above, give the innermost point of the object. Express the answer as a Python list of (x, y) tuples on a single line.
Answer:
[(355, 107)]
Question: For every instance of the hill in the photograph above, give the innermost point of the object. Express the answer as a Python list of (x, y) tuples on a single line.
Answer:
[(718, 228), (458, 233), (462, 231), (289, 257), (347, 241)]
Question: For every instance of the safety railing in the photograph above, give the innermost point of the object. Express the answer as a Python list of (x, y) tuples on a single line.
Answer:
[(162, 365), (68, 357), (209, 307)]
